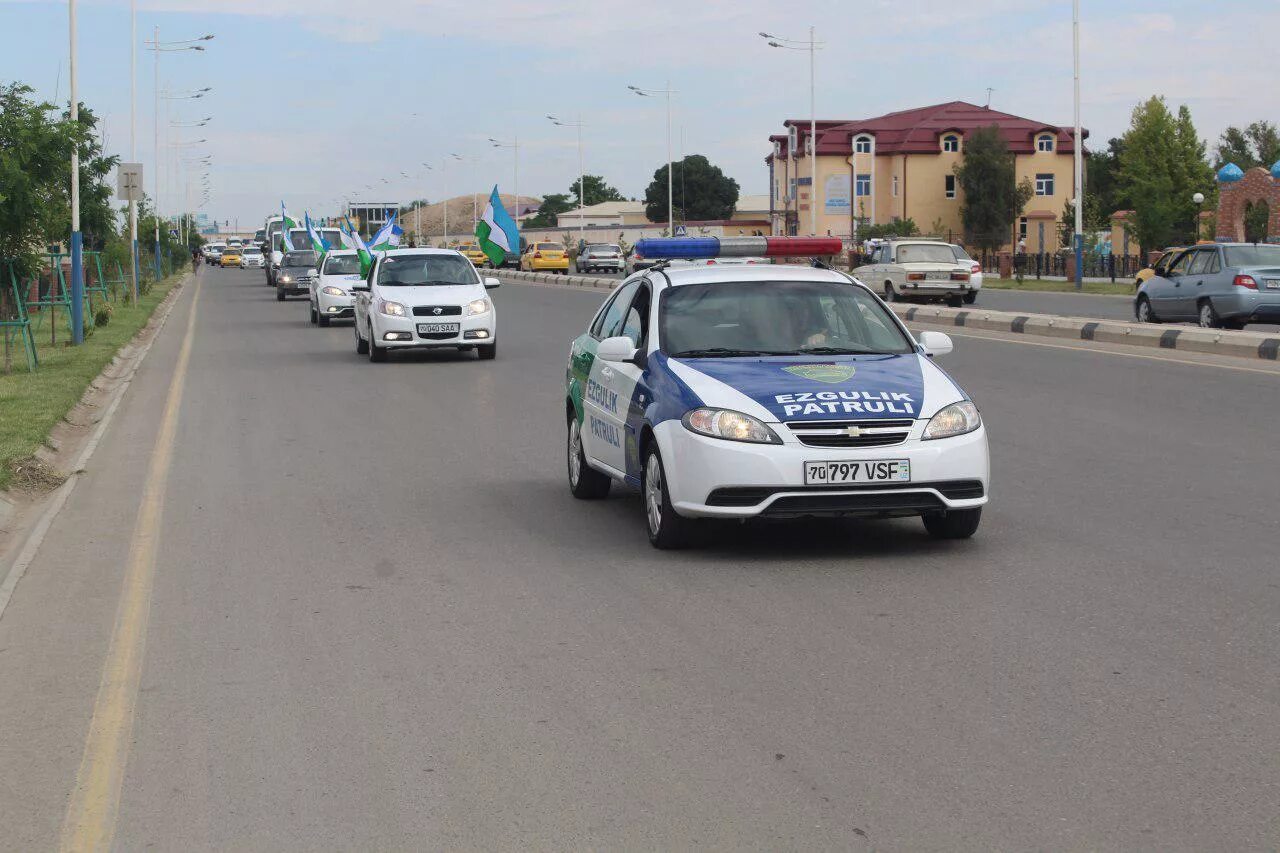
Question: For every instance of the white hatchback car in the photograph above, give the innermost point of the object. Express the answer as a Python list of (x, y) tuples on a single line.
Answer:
[(251, 258), (423, 299), (331, 297)]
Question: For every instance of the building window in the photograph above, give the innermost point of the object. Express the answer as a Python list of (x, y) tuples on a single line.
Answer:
[(895, 186), (1044, 184), (1022, 230), (862, 145), (950, 142), (1044, 142), (950, 186), (862, 185)]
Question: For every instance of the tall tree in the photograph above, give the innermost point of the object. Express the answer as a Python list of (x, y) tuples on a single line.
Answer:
[(708, 193), (1256, 145), (596, 191), (1148, 172), (1102, 196), (554, 204), (993, 198)]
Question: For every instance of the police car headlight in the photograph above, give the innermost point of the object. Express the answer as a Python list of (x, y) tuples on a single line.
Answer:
[(480, 306), (393, 309), (729, 425), (330, 290), (956, 419)]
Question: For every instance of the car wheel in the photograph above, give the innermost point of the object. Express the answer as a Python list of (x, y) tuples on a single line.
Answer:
[(362, 346), (585, 482), (1144, 312), (971, 297), (279, 294), (377, 354), (322, 320), (955, 301), (1208, 318), (315, 315), (889, 295), (487, 353), (954, 524), (667, 530)]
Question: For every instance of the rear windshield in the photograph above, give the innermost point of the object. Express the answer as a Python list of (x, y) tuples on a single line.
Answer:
[(925, 253), (425, 271), (549, 247), (1253, 256), (342, 265)]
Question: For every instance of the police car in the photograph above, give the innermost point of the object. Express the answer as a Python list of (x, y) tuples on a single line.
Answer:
[(768, 391)]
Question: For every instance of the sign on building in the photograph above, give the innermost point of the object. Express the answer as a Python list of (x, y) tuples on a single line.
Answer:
[(835, 194)]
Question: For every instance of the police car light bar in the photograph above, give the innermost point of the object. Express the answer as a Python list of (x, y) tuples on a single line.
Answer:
[(737, 247)]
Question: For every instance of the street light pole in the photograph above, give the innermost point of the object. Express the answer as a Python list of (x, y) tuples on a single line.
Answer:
[(582, 174), (133, 140), (155, 35), (1078, 152), (668, 91), (77, 239), (514, 145), (812, 45)]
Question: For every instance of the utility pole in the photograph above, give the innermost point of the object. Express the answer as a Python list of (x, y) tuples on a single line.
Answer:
[(133, 140), (1078, 152), (77, 239)]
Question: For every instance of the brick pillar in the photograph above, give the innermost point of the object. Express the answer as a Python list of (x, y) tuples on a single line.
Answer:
[(1071, 266), (1005, 262)]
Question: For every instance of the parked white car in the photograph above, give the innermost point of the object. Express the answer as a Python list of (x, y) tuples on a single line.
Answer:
[(919, 269), (975, 273), (331, 297), (424, 298)]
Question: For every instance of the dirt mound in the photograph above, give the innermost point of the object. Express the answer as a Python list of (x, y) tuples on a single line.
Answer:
[(461, 215)]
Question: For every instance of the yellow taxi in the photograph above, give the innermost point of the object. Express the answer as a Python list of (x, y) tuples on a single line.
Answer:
[(1159, 267), (472, 252), (545, 257), (231, 257)]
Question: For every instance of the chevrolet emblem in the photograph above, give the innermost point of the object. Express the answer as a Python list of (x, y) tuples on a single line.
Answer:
[(853, 431), (436, 311)]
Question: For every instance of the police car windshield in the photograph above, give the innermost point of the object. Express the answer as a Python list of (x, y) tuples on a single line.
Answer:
[(425, 271), (342, 265), (776, 318)]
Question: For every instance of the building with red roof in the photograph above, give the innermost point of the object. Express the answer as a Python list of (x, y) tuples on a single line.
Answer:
[(900, 166)]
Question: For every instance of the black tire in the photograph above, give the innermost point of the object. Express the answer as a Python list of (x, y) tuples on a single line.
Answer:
[(488, 353), (585, 483), (971, 297), (322, 320), (889, 295), (1144, 312), (667, 530), (313, 313), (362, 346), (377, 354), (1206, 316), (955, 524), (955, 301), (279, 294)]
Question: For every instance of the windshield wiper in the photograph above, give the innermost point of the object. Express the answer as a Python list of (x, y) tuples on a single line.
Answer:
[(843, 351), (723, 352)]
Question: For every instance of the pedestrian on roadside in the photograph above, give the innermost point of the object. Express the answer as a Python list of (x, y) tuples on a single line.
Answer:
[(1020, 259)]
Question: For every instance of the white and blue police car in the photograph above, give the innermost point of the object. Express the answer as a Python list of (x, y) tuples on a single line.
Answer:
[(768, 391)]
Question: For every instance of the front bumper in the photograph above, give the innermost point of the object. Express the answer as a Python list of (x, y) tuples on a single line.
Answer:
[(728, 479), (335, 307), (403, 331)]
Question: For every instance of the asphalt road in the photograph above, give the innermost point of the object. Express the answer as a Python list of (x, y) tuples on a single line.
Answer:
[(379, 621)]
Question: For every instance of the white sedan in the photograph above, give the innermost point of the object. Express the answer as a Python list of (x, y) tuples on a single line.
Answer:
[(424, 299), (330, 291)]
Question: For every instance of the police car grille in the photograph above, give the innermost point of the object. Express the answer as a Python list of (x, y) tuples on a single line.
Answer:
[(437, 310), (836, 433)]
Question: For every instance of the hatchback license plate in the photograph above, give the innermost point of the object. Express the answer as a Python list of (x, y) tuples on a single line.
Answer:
[(437, 328), (1273, 284), (870, 471)]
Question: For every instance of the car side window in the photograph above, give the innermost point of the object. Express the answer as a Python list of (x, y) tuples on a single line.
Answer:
[(609, 324), (1213, 264), (1180, 265), (1197, 265), (636, 324)]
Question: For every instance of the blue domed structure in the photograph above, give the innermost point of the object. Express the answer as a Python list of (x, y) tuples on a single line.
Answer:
[(1230, 173), (1275, 170)]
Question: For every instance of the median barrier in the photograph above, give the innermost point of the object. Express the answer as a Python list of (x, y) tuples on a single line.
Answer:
[(1242, 344)]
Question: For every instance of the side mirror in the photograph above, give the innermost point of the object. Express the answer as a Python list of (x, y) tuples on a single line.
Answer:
[(935, 343), (619, 350), (359, 288), (490, 283)]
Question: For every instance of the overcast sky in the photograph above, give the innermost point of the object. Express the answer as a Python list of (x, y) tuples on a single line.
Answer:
[(317, 100)]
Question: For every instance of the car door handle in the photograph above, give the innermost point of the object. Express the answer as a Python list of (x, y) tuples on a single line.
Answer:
[(1198, 283)]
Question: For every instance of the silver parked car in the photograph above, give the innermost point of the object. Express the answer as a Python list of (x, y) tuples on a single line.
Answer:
[(599, 257), (1219, 286)]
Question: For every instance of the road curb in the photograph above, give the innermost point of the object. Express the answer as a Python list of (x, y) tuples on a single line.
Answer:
[(1243, 344)]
